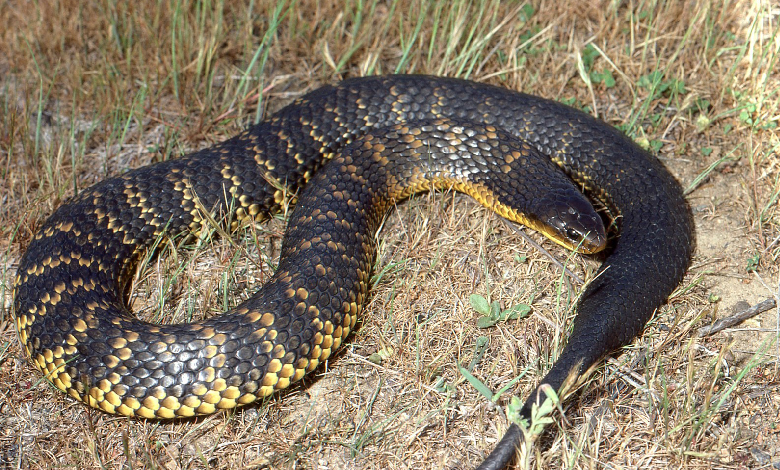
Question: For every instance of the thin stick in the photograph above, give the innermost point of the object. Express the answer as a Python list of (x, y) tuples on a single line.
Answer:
[(732, 320)]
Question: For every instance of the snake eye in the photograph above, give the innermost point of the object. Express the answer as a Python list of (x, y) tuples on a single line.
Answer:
[(573, 235)]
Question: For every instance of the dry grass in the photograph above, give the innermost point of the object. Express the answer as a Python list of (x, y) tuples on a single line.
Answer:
[(90, 89)]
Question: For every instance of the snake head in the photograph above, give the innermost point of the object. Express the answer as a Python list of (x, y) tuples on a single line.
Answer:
[(573, 223)]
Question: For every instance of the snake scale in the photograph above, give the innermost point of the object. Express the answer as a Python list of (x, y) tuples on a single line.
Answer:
[(379, 139)]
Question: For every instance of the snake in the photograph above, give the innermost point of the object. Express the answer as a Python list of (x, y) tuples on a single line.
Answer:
[(344, 153)]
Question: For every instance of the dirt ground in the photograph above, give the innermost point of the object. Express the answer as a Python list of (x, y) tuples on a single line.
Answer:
[(91, 89)]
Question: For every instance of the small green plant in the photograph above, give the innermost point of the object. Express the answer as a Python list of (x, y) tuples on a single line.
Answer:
[(605, 77), (589, 55), (658, 85), (541, 417), (494, 313), (753, 262), (540, 413), (746, 114), (749, 114)]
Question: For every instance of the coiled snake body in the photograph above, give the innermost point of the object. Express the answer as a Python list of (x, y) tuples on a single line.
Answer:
[(389, 137)]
